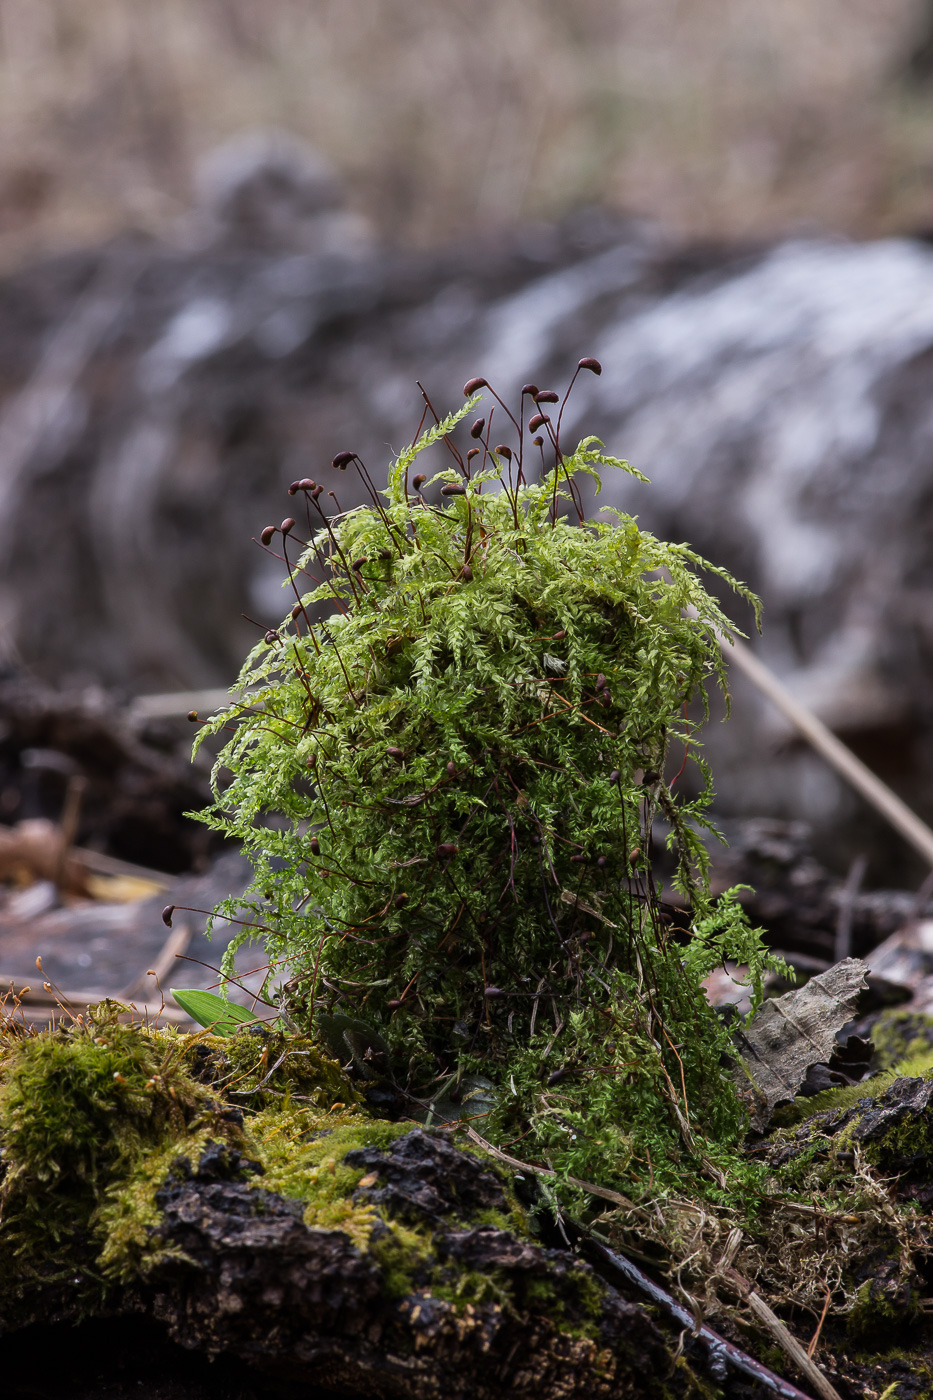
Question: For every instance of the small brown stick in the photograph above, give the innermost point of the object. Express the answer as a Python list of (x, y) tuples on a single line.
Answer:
[(781, 1335), (71, 813), (836, 753), (815, 1340), (602, 1191)]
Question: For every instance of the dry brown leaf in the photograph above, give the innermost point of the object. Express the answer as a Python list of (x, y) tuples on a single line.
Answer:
[(793, 1032)]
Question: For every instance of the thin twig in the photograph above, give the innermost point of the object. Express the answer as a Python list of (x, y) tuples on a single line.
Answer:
[(781, 1335), (836, 753), (721, 1352)]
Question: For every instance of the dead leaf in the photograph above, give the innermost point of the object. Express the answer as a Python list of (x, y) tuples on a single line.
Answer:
[(793, 1032)]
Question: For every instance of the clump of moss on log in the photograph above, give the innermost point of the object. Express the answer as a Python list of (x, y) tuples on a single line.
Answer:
[(447, 773)]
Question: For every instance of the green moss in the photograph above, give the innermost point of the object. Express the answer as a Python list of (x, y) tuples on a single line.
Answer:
[(80, 1108), (919, 1066), (879, 1308), (128, 1214), (303, 1156), (256, 1069), (405, 1255), (96, 1116), (902, 1036), (465, 763)]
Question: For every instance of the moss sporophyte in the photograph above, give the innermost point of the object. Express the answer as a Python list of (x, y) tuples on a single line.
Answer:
[(446, 765)]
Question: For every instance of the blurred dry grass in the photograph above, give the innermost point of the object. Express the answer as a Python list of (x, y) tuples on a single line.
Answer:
[(729, 117)]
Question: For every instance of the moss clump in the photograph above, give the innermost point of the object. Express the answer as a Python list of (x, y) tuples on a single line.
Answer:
[(79, 1107), (464, 731), (97, 1117), (94, 1113), (258, 1068), (903, 1037)]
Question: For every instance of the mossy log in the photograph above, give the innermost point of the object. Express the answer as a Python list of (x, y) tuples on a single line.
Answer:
[(327, 1248), (236, 1194)]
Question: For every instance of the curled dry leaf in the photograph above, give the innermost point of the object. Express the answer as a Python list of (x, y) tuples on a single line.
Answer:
[(792, 1033)]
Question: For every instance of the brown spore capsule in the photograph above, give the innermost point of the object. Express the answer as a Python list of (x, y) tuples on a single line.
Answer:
[(473, 452), (493, 993), (342, 460), (167, 913), (547, 396), (600, 681), (531, 389), (358, 563), (294, 488), (315, 846), (267, 534), (393, 1004), (452, 769), (306, 484), (287, 525), (296, 612), (419, 481), (453, 488), (589, 363), (446, 849), (503, 451), (467, 573), (579, 857), (602, 862), (538, 441), (400, 899), (396, 754), (614, 776), (559, 636), (477, 427), (538, 421), (193, 716), (471, 386), (633, 855), (271, 637)]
